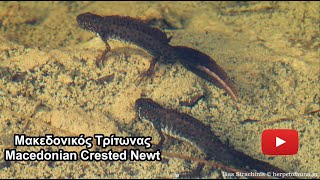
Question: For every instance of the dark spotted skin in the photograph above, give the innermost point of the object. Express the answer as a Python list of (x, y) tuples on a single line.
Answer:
[(184, 126), (128, 29)]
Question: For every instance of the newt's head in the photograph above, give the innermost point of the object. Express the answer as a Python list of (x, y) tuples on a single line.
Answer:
[(89, 21), (146, 109), (144, 104)]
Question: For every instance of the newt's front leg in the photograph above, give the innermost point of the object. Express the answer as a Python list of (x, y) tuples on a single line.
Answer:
[(194, 173), (103, 55)]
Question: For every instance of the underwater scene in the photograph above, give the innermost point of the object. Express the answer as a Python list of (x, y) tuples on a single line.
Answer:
[(130, 89)]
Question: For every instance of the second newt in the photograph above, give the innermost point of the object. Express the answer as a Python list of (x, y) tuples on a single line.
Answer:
[(188, 128)]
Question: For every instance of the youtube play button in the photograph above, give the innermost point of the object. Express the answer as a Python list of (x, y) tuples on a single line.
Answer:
[(280, 142)]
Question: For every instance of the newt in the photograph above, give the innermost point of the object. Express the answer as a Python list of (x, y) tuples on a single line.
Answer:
[(128, 29), (155, 42), (187, 128)]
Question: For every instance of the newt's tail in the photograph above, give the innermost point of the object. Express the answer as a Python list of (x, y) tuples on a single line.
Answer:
[(206, 68), (229, 156)]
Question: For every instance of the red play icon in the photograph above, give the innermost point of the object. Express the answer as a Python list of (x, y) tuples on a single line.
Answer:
[(280, 142)]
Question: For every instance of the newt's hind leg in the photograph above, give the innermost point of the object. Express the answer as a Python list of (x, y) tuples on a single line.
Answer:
[(147, 73), (103, 55)]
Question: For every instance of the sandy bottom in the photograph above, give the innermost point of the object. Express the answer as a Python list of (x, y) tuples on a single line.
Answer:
[(49, 82)]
